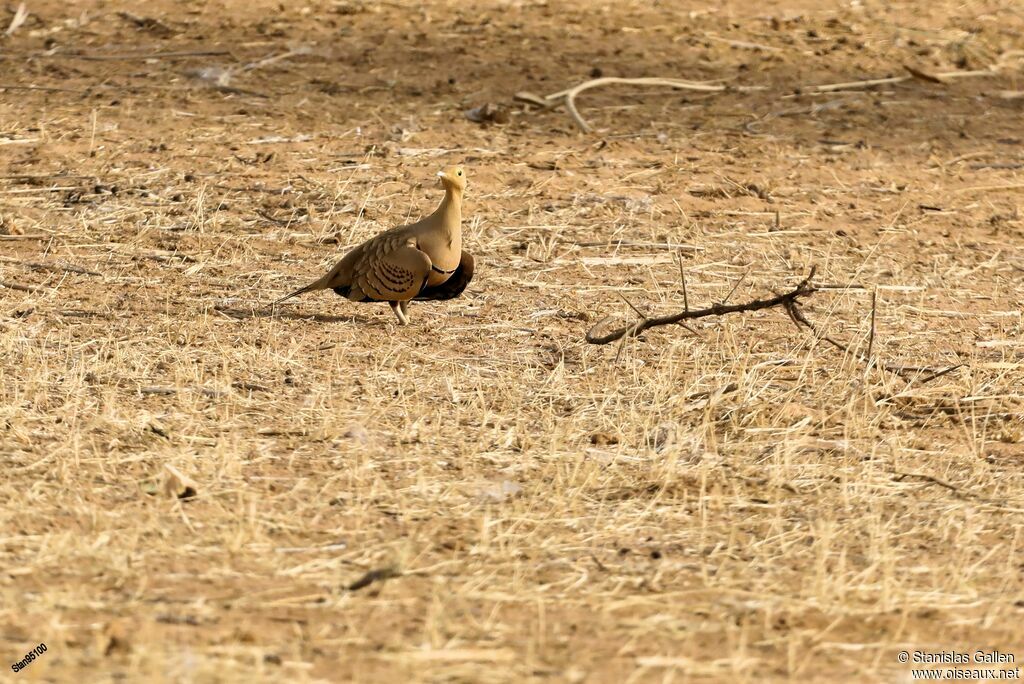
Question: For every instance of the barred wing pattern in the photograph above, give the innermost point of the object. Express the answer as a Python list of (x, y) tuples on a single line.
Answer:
[(390, 269)]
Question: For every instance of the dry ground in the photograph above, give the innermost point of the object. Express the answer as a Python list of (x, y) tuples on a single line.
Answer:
[(748, 504)]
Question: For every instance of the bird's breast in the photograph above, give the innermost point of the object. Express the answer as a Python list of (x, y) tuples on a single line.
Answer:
[(445, 253)]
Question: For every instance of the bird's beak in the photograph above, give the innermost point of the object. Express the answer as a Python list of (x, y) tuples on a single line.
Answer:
[(442, 174)]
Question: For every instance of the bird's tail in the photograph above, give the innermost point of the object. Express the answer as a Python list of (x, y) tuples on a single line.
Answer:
[(312, 287)]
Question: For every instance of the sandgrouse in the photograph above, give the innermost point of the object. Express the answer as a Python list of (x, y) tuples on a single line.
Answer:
[(423, 260)]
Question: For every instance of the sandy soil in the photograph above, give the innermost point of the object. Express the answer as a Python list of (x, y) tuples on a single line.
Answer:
[(483, 496)]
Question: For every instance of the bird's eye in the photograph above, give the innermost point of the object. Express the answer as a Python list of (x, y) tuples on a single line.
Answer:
[(458, 173)]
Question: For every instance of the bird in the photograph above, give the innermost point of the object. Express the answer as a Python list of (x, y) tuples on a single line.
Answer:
[(422, 260)]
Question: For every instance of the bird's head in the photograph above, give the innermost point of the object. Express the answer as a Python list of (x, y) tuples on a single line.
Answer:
[(453, 178)]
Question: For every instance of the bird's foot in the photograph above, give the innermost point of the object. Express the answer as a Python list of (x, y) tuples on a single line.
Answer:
[(399, 312)]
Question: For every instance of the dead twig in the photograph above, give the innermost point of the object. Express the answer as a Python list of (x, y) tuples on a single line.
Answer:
[(900, 476), (13, 238), (639, 313), (871, 335), (872, 82), (803, 288), (44, 89), (634, 243), (997, 165), (799, 318), (59, 268), (789, 301), (372, 576), (682, 280), (567, 97), (743, 276), (20, 288), (939, 374), (144, 56), (20, 15)]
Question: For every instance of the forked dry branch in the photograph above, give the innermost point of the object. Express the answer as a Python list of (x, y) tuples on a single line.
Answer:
[(568, 96), (790, 301)]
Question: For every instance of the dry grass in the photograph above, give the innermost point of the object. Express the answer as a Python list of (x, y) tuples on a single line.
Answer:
[(743, 505)]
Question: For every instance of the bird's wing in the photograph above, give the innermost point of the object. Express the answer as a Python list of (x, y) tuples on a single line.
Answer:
[(456, 283), (391, 268)]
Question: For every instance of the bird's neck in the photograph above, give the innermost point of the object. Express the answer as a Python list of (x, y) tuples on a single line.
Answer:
[(450, 210)]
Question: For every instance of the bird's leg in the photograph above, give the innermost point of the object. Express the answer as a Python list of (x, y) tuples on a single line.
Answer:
[(404, 306), (396, 307)]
